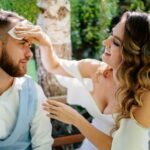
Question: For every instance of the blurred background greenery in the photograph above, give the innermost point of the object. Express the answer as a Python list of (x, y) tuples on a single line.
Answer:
[(91, 21), (26, 8)]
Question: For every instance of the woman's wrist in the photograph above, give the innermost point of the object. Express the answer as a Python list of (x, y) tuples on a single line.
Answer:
[(78, 120), (47, 47)]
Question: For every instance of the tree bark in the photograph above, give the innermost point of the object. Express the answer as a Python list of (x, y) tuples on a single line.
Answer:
[(54, 19)]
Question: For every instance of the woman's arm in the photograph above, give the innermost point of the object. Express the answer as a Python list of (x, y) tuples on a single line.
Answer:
[(36, 35), (68, 115), (49, 59)]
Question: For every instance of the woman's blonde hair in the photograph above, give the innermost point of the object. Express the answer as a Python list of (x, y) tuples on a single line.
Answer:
[(133, 73)]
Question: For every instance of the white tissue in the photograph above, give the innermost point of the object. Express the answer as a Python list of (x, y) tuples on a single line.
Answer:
[(11, 32)]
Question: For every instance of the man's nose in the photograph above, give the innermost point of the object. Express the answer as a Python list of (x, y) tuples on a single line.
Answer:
[(28, 52)]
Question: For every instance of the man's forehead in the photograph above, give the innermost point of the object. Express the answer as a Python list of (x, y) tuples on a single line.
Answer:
[(4, 32), (12, 33)]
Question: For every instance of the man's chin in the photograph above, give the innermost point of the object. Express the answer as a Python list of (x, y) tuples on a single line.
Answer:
[(21, 72), (18, 74)]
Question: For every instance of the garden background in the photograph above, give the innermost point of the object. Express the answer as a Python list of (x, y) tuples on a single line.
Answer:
[(90, 23)]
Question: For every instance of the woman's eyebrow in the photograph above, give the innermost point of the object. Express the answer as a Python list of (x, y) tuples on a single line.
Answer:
[(116, 37)]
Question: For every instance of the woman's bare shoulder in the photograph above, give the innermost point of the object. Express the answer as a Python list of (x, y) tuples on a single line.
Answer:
[(88, 67), (142, 114)]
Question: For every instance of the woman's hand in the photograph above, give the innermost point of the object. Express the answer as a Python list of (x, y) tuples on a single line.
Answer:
[(66, 114), (34, 34), (61, 112)]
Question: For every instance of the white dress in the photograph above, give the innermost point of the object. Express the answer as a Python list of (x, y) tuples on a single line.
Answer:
[(79, 94), (130, 136)]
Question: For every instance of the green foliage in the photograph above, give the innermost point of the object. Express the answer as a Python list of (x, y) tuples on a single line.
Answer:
[(93, 19), (26, 8), (85, 27), (138, 5), (29, 10), (108, 9), (89, 25), (90, 20)]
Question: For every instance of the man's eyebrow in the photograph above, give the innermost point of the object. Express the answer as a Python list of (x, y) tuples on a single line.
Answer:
[(24, 40)]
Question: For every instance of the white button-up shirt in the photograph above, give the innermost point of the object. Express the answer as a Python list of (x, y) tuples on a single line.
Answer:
[(40, 126)]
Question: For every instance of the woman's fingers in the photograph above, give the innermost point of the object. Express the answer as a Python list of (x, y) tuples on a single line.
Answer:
[(52, 104), (27, 28), (55, 103), (28, 34), (52, 116), (53, 107), (50, 108), (34, 34), (60, 111)]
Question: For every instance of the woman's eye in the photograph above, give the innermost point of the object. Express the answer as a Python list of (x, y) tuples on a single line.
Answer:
[(116, 43)]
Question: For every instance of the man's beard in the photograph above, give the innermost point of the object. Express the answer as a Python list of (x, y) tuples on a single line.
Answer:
[(6, 63)]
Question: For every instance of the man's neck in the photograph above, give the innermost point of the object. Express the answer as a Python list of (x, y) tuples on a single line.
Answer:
[(6, 81)]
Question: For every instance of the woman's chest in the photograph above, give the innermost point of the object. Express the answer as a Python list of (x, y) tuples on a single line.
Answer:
[(104, 96)]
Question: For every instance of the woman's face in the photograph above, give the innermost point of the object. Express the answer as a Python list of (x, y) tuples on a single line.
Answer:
[(113, 46)]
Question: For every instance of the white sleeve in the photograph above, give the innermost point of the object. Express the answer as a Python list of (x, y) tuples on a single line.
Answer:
[(71, 67), (130, 136), (77, 87), (41, 128)]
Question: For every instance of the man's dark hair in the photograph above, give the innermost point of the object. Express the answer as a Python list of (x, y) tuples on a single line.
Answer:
[(6, 20)]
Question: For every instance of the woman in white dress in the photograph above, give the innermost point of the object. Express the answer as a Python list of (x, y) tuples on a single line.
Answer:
[(127, 51)]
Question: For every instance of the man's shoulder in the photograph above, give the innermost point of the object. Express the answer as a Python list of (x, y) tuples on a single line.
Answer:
[(21, 80), (25, 77)]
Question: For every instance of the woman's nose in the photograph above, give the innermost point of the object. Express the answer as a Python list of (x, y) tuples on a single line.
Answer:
[(107, 42)]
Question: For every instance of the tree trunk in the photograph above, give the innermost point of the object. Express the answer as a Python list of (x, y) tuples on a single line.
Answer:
[(54, 18)]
